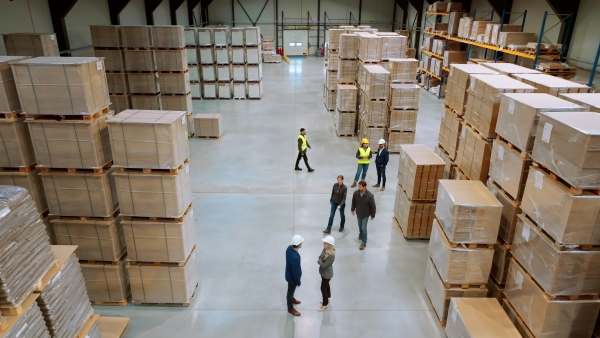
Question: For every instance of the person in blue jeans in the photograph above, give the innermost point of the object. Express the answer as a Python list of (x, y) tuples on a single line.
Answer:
[(293, 272), (363, 202), (381, 160), (338, 202), (363, 154)]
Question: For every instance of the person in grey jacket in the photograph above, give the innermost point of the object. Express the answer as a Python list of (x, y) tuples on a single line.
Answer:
[(337, 201), (363, 202), (326, 269)]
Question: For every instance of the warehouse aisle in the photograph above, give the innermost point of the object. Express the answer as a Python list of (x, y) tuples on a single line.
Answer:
[(248, 202)]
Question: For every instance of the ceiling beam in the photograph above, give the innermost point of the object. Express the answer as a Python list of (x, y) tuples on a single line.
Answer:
[(58, 11), (191, 5), (115, 7), (173, 7), (150, 6)]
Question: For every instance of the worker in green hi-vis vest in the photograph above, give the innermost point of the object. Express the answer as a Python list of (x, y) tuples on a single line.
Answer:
[(363, 154), (302, 147)]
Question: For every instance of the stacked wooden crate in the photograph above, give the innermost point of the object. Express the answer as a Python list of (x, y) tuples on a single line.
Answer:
[(332, 64), (419, 172), (347, 92), (403, 103), (461, 244), (150, 149)]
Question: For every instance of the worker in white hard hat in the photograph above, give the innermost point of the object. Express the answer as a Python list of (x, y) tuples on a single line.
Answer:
[(293, 272), (381, 160), (326, 269), (363, 154)]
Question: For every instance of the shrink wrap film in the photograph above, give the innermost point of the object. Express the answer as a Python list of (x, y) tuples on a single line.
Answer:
[(419, 172), (32, 44), (373, 134), (171, 60), (207, 55), (114, 60), (459, 82), (334, 37), (30, 181), (225, 90), (334, 61), (552, 85), (346, 71), (253, 55), (347, 98), (511, 209), (252, 35), (96, 240), (587, 100), (376, 82), (136, 36), (238, 55), (177, 102), (106, 282), (414, 218), (254, 73), (191, 36), (206, 36), (509, 168), (403, 70), (345, 123), (348, 46), (209, 73), (473, 154), (15, 149), (478, 317), (397, 138), (139, 60), (222, 36), (208, 125), (509, 69), (449, 167), (403, 120), (224, 73), (106, 36), (330, 80), (30, 323), (194, 74), (392, 46), (369, 47), (373, 113), (9, 100), (223, 55), (404, 96), (209, 90), (502, 256), (192, 55), (450, 129), (143, 83), (167, 36), (237, 36)]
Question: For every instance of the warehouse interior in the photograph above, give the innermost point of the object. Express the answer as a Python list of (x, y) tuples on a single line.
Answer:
[(160, 199)]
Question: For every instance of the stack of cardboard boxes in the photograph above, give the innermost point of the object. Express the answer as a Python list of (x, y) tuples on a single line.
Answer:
[(208, 125), (31, 44), (150, 149), (403, 103), (333, 62), (347, 95), (588, 100), (478, 317)]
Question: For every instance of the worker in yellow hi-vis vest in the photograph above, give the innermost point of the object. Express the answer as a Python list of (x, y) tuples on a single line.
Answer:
[(302, 147), (363, 154)]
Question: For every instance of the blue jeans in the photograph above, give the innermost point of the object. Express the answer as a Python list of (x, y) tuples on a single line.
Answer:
[(332, 214), (361, 167), (362, 227)]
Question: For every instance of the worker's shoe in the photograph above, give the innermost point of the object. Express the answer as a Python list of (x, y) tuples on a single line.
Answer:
[(341, 229), (295, 301), (376, 185), (297, 168), (360, 237), (353, 185), (310, 170), (322, 308), (294, 312), (382, 189), (362, 246), (326, 231)]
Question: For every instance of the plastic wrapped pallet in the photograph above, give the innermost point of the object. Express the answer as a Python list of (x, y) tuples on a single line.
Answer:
[(207, 55), (588, 100), (518, 116), (345, 123), (404, 96), (468, 212), (557, 271), (164, 284), (392, 46), (237, 36), (224, 73), (459, 264), (149, 139), (450, 129), (254, 73), (160, 241), (373, 134), (190, 36), (403, 120), (509, 68), (238, 55), (330, 80), (478, 27), (510, 211), (117, 83), (208, 125), (413, 217), (255, 90), (253, 55), (105, 36), (196, 91), (136, 36), (26, 255), (143, 101), (373, 113), (206, 36), (139, 60), (106, 282), (61, 86), (223, 55), (9, 101), (30, 323), (515, 38), (167, 36), (376, 82), (459, 82), (565, 143), (449, 168), (119, 102), (369, 48), (419, 171), (545, 315), (348, 46), (403, 70), (239, 73), (225, 90), (347, 96), (473, 154), (143, 83), (209, 73), (551, 84), (31, 44), (63, 300), (114, 60), (440, 295), (209, 90), (509, 168), (478, 317), (192, 55), (222, 36), (252, 35), (194, 73), (330, 99), (502, 256), (171, 60), (15, 149), (30, 181), (346, 71), (178, 102), (96, 240), (240, 90), (569, 219), (398, 138), (334, 37)]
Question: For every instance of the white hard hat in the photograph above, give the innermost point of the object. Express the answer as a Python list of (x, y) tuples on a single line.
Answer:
[(297, 240), (382, 141), (329, 239)]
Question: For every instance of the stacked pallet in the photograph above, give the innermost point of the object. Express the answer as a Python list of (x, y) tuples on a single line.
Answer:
[(373, 90), (150, 150), (334, 43), (419, 172), (208, 126), (461, 244), (403, 103), (31, 44), (589, 100), (479, 317), (347, 92), (552, 85)]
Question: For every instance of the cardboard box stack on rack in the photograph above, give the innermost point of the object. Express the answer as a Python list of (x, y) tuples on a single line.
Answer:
[(461, 245), (552, 85), (31, 44), (419, 172), (403, 103), (150, 150)]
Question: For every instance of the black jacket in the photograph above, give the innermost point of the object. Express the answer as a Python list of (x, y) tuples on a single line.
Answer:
[(383, 157), (365, 205)]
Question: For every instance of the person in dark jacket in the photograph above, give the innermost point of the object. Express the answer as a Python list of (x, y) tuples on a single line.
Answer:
[(325, 261), (303, 145), (363, 202), (293, 272), (337, 201), (381, 161)]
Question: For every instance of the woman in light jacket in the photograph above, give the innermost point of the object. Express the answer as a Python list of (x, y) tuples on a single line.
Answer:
[(326, 269)]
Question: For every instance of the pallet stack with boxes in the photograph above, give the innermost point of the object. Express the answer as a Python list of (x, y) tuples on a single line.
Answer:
[(478, 317), (150, 151), (206, 53), (193, 58), (224, 85), (253, 63), (331, 66), (403, 103), (31, 44), (238, 59), (419, 172), (69, 134), (461, 244), (347, 95)]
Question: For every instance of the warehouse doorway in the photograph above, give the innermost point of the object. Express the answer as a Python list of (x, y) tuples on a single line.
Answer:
[(295, 42)]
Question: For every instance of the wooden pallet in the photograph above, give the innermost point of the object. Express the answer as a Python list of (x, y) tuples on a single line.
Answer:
[(465, 286), (472, 245), (369, 62), (186, 304), (167, 48), (88, 326), (173, 71), (522, 154), (87, 117), (120, 303), (136, 48), (112, 327), (209, 137), (102, 170), (409, 237), (513, 201), (564, 184), (167, 264), (26, 169), (115, 262), (442, 323), (516, 319), (161, 219), (153, 170), (17, 310), (11, 115)]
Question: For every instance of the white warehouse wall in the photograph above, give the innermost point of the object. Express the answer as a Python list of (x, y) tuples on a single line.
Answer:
[(16, 17)]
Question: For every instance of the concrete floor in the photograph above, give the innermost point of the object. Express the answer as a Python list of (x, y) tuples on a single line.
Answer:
[(249, 202)]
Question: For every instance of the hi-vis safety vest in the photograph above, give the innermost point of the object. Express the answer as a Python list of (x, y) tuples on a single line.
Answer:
[(363, 152), (303, 142)]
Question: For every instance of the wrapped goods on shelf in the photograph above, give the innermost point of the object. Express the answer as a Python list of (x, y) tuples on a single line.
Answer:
[(206, 36), (171, 60), (63, 300), (392, 46), (509, 168), (454, 56), (376, 82), (468, 212), (495, 34), (30, 181), (565, 143), (398, 138), (106, 282), (253, 55), (149, 139), (473, 154), (459, 265), (404, 96), (224, 73), (552, 85), (254, 73), (80, 194), (71, 143), (225, 90), (192, 55), (238, 55), (190, 35), (30, 323), (252, 35), (440, 295), (208, 125), (237, 36), (403, 120), (207, 55), (223, 55), (334, 37), (369, 48), (26, 255), (569, 219), (61, 86), (347, 96), (167, 36), (459, 80), (346, 71), (139, 60), (478, 27), (119, 102), (464, 27), (9, 100), (454, 22), (31, 44), (209, 73), (518, 116), (15, 149), (143, 101), (414, 218), (450, 129), (511, 209), (348, 46), (143, 83), (545, 315), (222, 36), (514, 38), (509, 69), (96, 240), (478, 317), (136, 36), (117, 82), (105, 36), (588, 100), (419, 172), (179, 102)]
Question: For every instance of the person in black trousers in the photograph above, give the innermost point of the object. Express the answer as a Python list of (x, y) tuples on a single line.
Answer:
[(293, 272), (337, 201), (302, 147), (325, 261), (381, 161)]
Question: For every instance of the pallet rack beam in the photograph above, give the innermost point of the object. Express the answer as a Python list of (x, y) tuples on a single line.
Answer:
[(593, 70), (418, 6)]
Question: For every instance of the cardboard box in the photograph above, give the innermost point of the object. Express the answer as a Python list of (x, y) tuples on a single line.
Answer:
[(208, 125), (225, 90), (156, 194), (237, 36), (171, 60), (544, 315), (373, 113), (439, 295), (397, 138), (345, 123), (392, 46), (346, 71), (174, 83), (454, 56), (253, 55), (15, 149), (348, 46), (552, 85), (191, 36), (333, 61), (518, 116), (459, 265), (167, 36), (511, 209), (80, 193), (119, 102), (136, 36), (404, 96), (105, 36), (9, 100), (30, 181), (509, 168), (209, 90), (192, 55), (478, 27), (163, 284), (376, 82), (149, 139), (223, 55), (419, 172), (449, 167), (255, 90), (473, 154), (494, 37), (177, 102), (139, 60), (414, 218), (588, 100), (509, 69), (196, 90), (143, 83), (96, 240), (468, 212), (238, 55), (148, 102), (207, 55), (222, 36), (209, 73), (252, 35), (478, 317), (206, 36), (31, 44), (403, 120), (506, 39), (194, 73), (369, 47), (71, 143), (117, 83), (333, 36), (454, 20), (224, 73), (373, 134), (403, 70), (450, 129), (330, 80), (114, 60), (160, 241), (495, 290), (502, 256), (565, 144), (459, 80), (106, 282), (330, 99), (347, 98), (61, 86), (254, 73)]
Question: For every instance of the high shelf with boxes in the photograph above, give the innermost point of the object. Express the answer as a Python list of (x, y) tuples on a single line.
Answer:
[(151, 153)]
